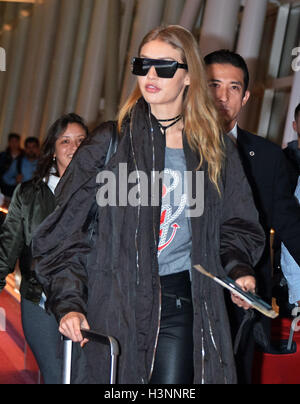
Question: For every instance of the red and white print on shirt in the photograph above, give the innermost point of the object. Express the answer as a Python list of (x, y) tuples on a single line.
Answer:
[(169, 212)]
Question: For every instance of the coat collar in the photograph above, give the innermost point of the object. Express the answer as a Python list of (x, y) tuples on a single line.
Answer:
[(245, 144), (192, 159), (243, 137)]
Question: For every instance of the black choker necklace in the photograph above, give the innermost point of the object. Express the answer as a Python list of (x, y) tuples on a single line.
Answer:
[(172, 120)]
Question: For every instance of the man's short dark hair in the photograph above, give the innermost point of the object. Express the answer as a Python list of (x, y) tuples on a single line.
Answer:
[(32, 140), (225, 56), (297, 112), (14, 136)]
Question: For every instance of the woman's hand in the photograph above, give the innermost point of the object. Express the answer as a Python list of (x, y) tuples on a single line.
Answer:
[(248, 284), (70, 326)]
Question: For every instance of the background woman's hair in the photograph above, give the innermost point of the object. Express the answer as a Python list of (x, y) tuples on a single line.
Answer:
[(201, 122), (46, 162)]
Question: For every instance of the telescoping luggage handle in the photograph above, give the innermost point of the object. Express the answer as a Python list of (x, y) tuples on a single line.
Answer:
[(96, 337)]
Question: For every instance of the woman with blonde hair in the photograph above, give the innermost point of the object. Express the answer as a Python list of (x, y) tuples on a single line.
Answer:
[(173, 195)]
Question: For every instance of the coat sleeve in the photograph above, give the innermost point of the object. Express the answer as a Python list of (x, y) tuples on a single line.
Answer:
[(61, 244), (60, 248), (11, 237), (242, 237)]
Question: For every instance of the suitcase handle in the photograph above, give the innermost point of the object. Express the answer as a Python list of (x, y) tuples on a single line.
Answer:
[(102, 339), (95, 337)]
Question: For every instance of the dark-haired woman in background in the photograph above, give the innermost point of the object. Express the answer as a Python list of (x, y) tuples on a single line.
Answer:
[(32, 202)]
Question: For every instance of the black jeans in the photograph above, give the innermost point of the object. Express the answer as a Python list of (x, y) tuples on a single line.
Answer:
[(174, 355), (42, 335)]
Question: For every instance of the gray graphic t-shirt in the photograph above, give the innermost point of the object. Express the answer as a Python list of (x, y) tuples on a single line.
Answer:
[(174, 249)]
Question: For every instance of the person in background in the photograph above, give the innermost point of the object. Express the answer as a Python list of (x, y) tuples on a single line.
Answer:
[(266, 169), (32, 202), (290, 268), (132, 276), (30, 159), (288, 292), (11, 156), (292, 151), (23, 168)]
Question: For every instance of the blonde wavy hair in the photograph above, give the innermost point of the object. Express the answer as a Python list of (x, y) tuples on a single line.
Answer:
[(201, 123)]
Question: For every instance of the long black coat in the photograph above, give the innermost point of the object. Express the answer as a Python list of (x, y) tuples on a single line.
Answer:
[(114, 279)]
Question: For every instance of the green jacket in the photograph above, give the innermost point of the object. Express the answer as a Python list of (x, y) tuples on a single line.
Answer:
[(30, 205)]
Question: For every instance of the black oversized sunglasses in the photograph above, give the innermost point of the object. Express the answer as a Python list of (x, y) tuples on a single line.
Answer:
[(165, 69)]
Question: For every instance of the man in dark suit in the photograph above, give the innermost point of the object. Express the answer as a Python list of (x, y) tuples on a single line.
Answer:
[(266, 169)]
